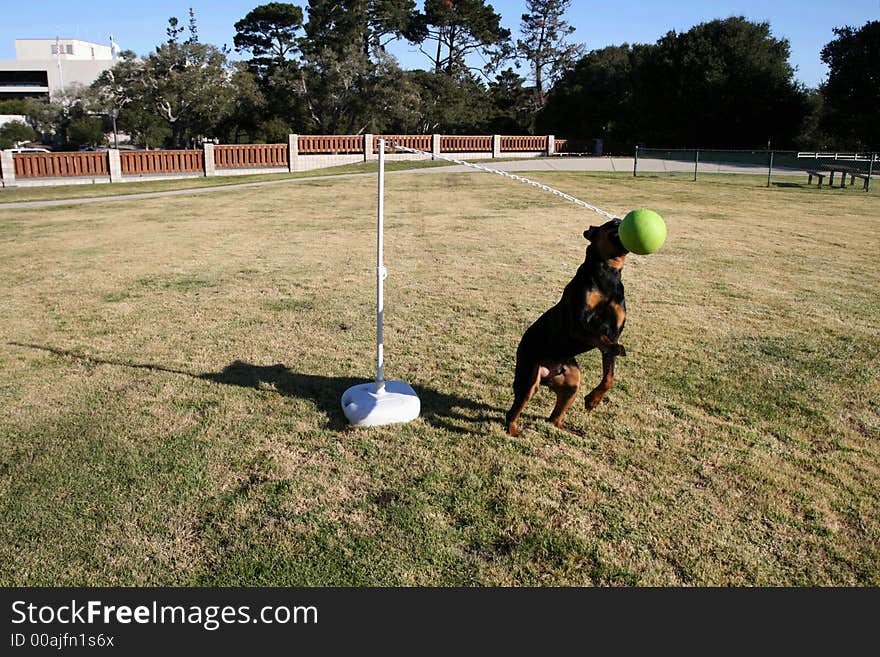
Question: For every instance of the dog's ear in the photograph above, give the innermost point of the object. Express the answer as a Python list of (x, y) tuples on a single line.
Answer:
[(590, 233)]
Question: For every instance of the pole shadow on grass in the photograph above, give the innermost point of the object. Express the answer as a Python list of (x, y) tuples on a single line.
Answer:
[(439, 409)]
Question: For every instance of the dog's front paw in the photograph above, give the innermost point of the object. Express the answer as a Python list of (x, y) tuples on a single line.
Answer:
[(592, 401)]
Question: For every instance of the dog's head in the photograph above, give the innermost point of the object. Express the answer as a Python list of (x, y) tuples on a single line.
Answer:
[(605, 242)]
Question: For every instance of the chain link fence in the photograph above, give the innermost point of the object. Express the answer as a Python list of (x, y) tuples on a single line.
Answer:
[(709, 160)]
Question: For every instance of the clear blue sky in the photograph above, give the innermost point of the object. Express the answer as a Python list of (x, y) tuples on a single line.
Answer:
[(140, 26)]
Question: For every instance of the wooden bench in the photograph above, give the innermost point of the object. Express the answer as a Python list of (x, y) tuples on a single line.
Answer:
[(844, 172), (852, 173), (818, 174), (865, 179)]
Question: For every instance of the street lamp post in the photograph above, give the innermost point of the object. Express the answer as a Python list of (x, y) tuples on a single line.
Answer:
[(113, 114)]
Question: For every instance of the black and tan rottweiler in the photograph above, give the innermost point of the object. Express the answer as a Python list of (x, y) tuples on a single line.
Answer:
[(590, 315)]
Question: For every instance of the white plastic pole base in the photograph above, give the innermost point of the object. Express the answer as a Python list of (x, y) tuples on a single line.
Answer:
[(364, 406)]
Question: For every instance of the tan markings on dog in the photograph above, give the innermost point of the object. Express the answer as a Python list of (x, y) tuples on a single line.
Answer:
[(566, 387), (596, 394), (616, 263), (619, 311), (594, 298)]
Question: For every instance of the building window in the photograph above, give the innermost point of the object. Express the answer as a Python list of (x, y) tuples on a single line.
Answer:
[(54, 49), (69, 49), (93, 53)]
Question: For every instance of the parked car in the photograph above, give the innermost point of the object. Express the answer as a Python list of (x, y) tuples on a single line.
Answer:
[(30, 150)]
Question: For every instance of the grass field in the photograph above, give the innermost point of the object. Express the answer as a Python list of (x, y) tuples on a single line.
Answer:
[(172, 368)]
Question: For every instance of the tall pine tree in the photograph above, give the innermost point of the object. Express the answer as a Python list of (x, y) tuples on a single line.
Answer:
[(544, 43), (461, 28)]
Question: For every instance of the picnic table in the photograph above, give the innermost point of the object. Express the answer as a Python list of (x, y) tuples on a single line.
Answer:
[(832, 168)]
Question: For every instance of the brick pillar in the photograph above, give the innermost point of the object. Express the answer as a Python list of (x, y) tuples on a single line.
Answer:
[(551, 144), (292, 153), (7, 168), (435, 146), (210, 169), (496, 146), (368, 149), (115, 164)]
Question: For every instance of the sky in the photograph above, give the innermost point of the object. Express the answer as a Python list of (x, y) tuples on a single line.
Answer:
[(140, 26)]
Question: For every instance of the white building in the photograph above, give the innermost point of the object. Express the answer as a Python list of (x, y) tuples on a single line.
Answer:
[(43, 67), (6, 118)]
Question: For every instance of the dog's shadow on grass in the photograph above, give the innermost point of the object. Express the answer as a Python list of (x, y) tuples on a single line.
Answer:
[(440, 409)]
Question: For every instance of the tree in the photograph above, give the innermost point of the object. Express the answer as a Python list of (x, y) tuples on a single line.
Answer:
[(852, 92), (461, 28), (193, 27), (247, 109), (543, 43), (285, 100), (592, 100), (270, 33), (13, 106), (39, 114), (332, 78), (187, 84), (124, 88), (335, 88), (85, 130), (724, 83), (451, 105), (117, 87), (396, 100), (512, 107), (813, 136), (267, 100), (14, 132), (335, 24), (182, 90), (70, 118), (345, 79), (392, 19)]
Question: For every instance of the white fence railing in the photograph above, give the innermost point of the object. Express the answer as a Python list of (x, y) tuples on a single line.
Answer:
[(852, 157)]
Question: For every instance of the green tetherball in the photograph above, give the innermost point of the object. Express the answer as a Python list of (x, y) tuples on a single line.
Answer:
[(642, 231)]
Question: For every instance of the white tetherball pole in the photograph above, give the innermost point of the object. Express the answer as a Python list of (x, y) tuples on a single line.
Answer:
[(382, 402)]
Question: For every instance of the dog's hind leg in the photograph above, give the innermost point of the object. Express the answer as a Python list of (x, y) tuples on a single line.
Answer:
[(524, 388), (596, 394), (566, 386)]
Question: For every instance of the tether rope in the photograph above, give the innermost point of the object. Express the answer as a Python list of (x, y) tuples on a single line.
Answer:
[(506, 174)]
